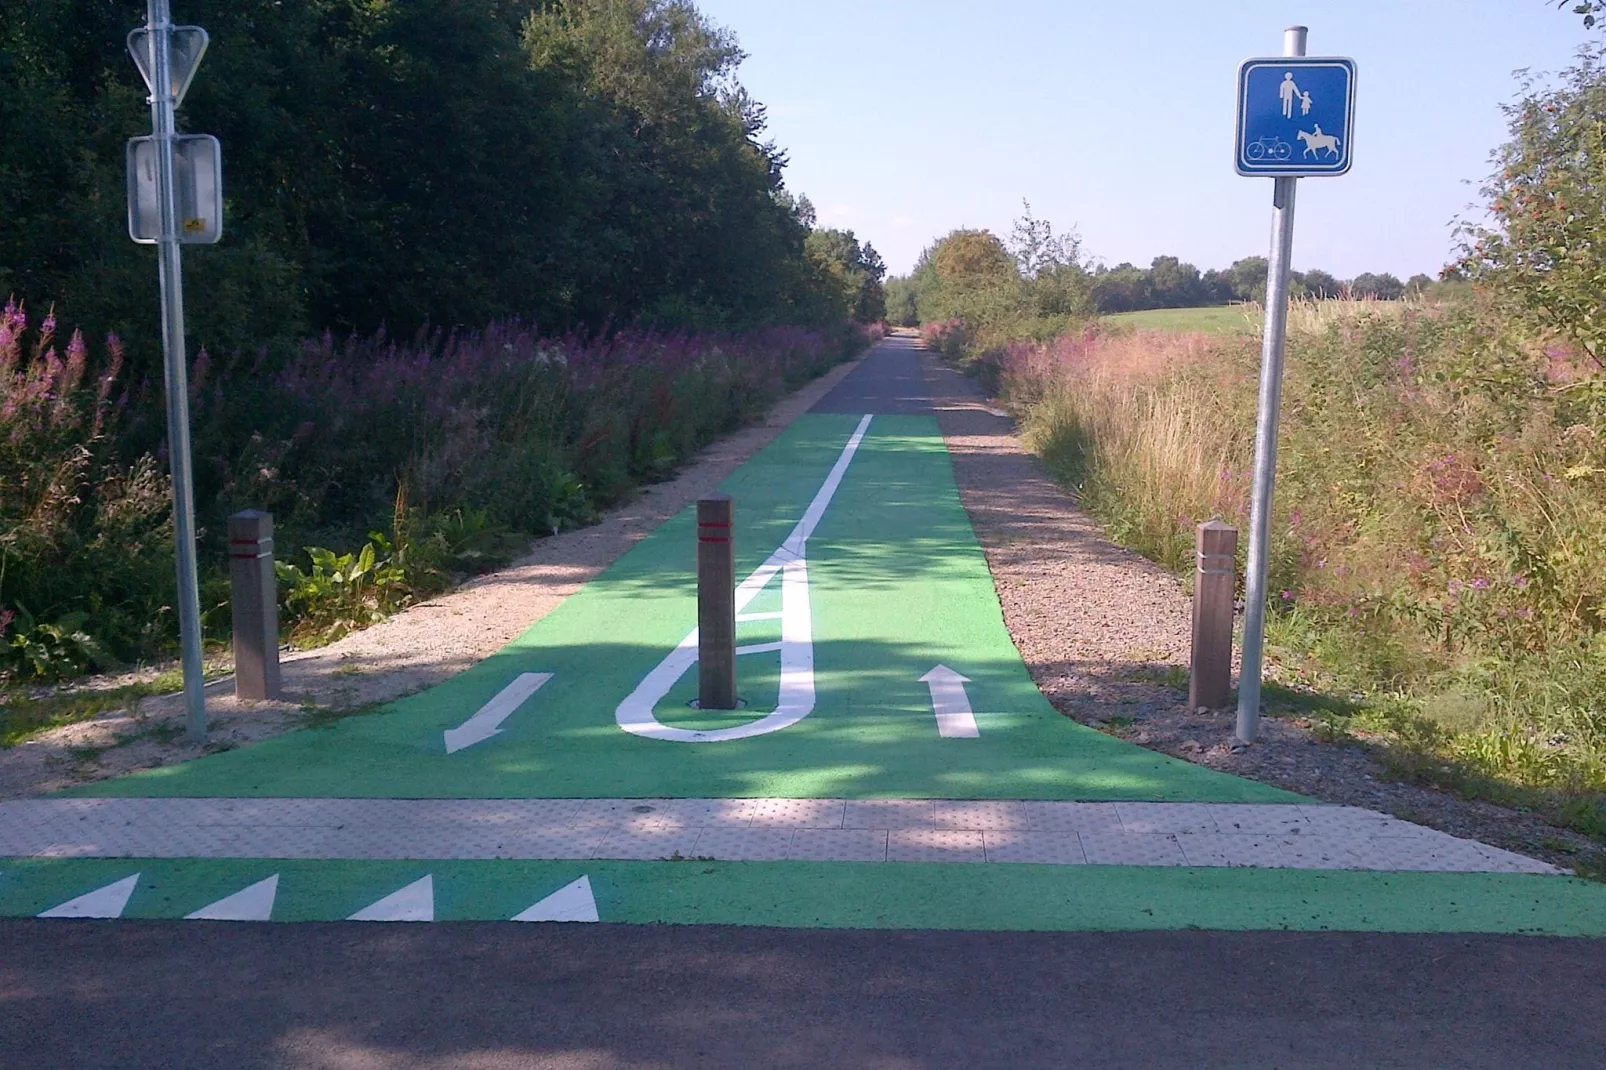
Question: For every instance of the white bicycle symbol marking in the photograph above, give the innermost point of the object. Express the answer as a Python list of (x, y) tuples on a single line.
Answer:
[(789, 561)]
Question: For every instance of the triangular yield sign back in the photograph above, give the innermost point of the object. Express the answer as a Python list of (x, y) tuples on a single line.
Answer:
[(187, 46)]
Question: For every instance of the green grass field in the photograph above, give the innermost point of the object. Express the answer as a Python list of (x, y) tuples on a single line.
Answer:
[(1216, 319)]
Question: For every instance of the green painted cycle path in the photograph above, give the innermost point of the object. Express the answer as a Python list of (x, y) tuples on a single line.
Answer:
[(897, 586)]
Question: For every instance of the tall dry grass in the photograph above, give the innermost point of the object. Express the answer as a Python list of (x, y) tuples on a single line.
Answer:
[(1150, 462), (1440, 521)]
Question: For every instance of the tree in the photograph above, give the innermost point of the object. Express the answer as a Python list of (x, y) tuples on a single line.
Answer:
[(1589, 9), (972, 258), (1248, 278), (856, 270), (1417, 284), (1036, 248), (1320, 285), (1050, 264), (445, 161), (1547, 251), (1384, 287), (1217, 287), (1174, 284), (903, 302), (969, 275), (1123, 288)]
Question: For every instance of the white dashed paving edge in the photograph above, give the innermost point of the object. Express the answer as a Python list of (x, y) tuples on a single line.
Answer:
[(1284, 836)]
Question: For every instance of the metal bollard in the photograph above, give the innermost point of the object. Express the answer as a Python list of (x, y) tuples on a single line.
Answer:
[(716, 603), (1215, 584), (254, 594)]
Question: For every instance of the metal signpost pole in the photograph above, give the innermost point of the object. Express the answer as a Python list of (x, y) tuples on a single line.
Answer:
[(1271, 396), (163, 123)]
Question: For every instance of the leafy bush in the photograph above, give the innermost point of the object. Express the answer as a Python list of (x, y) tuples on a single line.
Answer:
[(1548, 199), (975, 293), (341, 593)]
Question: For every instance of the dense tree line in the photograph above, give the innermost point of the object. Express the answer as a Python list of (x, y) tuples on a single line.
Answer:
[(1037, 280), (445, 161), (1171, 283)]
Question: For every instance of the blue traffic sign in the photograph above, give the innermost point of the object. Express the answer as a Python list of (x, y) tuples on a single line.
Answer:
[(1296, 116)]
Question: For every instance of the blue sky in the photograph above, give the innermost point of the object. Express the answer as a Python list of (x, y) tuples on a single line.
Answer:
[(905, 119)]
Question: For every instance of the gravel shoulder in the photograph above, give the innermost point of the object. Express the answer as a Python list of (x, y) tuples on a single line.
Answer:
[(1102, 629), (409, 652)]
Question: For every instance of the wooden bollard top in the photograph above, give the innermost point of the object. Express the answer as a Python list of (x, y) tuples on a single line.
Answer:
[(250, 533), (714, 516), (1217, 547)]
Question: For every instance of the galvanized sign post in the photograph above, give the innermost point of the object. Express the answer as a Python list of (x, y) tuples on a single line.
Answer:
[(175, 195), (1296, 118)]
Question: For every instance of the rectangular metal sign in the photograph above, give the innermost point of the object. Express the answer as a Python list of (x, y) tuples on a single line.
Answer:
[(198, 173), (1296, 116)]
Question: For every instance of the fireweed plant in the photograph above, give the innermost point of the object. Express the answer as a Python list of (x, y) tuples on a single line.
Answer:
[(414, 460)]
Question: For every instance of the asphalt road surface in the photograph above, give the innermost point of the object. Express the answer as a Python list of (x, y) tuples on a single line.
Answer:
[(202, 994), (890, 383)]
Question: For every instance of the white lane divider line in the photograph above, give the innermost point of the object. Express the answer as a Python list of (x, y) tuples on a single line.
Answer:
[(955, 720), (744, 618), (790, 562), (107, 902), (488, 721), (254, 903), (572, 902), (416, 902)]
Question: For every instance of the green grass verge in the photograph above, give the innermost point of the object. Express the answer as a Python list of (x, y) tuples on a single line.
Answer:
[(23, 716), (1217, 319)]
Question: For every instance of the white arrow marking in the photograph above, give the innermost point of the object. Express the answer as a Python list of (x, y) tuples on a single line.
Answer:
[(488, 721), (416, 902), (248, 904), (107, 902), (572, 902), (948, 698)]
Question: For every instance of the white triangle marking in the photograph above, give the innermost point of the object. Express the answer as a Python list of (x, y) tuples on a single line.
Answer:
[(107, 902), (248, 904), (572, 902), (416, 902)]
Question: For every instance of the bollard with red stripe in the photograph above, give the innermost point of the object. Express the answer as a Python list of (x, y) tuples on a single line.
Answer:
[(716, 603)]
